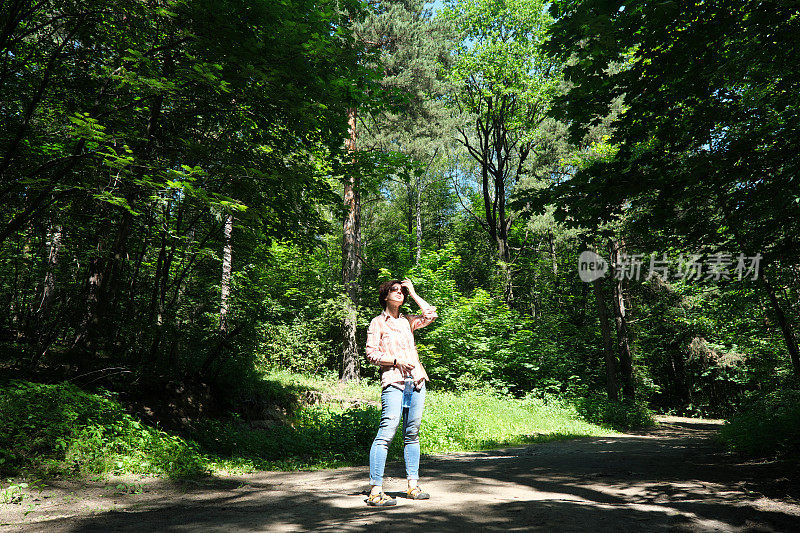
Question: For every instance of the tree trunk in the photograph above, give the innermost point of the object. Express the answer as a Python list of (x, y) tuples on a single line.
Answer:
[(580, 317), (86, 339), (351, 265), (612, 387), (418, 212), (156, 298), (552, 247), (677, 371), (129, 305), (504, 256), (223, 333), (623, 345), (493, 152), (162, 296), (219, 353), (783, 322), (535, 306), (226, 275), (50, 278), (44, 334), (409, 214), (18, 309), (111, 276)]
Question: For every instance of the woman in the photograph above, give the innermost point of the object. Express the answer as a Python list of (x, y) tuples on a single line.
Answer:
[(390, 344)]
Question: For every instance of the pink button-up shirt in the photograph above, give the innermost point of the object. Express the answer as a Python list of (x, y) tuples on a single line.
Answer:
[(393, 338)]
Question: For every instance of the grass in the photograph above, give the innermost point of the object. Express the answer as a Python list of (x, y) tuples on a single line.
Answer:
[(476, 420), (48, 430), (327, 385)]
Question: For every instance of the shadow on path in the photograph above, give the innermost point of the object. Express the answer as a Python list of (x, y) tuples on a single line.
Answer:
[(669, 479)]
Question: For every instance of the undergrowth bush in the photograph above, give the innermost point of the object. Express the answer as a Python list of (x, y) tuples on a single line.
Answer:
[(318, 436), (56, 429), (618, 415), (62, 429), (768, 427), (479, 340)]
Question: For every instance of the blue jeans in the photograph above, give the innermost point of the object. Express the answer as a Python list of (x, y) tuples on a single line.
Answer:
[(391, 411)]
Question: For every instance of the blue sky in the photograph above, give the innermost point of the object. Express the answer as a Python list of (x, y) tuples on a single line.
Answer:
[(436, 4)]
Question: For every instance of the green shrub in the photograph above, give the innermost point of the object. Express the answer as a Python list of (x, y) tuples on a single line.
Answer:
[(320, 436), (768, 426), (618, 415), (62, 429), (52, 429), (281, 342), (479, 340)]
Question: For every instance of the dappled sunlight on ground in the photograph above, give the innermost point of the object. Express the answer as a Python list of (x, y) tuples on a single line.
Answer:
[(668, 479)]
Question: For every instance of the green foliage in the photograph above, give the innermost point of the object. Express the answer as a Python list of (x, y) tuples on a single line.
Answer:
[(435, 275), (675, 154), (768, 426), (318, 436), (706, 141), (500, 56), (300, 306), (52, 429), (63, 429), (477, 340), (412, 52), (294, 346), (157, 124), (14, 493), (503, 86), (618, 415), (713, 357), (480, 342)]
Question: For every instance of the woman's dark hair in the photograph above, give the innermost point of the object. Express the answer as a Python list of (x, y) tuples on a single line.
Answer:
[(386, 286)]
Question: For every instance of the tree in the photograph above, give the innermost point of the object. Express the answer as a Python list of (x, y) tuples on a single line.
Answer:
[(504, 84), (403, 50), (351, 260), (128, 128), (414, 56), (708, 143), (608, 350)]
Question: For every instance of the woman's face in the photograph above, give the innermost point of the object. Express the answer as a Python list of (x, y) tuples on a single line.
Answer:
[(396, 294)]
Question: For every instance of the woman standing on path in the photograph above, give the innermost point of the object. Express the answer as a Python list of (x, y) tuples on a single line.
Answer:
[(390, 344)]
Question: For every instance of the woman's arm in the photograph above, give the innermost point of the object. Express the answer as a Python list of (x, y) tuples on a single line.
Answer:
[(428, 311)]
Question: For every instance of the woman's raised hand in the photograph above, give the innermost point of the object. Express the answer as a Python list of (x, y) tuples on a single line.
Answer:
[(409, 286)]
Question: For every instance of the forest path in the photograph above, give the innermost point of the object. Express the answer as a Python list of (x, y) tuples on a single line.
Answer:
[(672, 478)]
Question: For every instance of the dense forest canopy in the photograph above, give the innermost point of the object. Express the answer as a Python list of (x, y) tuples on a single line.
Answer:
[(202, 191)]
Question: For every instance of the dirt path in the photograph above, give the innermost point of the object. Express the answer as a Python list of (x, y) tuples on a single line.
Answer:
[(668, 479)]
